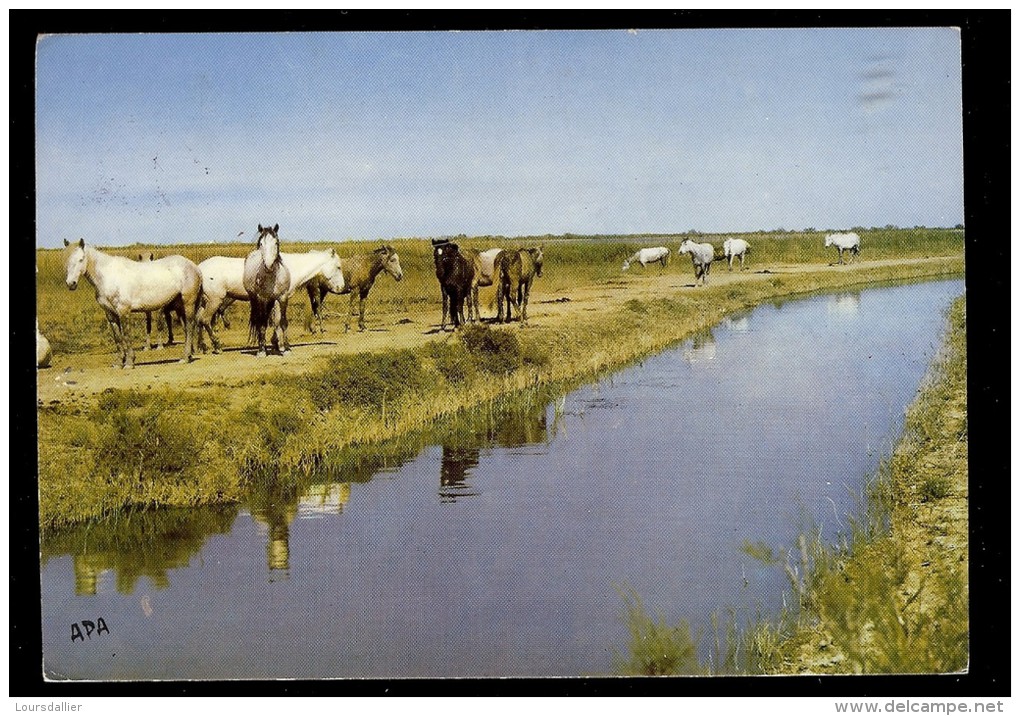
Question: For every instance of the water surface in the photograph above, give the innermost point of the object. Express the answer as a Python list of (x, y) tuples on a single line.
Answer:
[(502, 548)]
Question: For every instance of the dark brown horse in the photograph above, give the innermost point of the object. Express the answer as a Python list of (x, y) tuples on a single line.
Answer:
[(456, 274), (359, 276), (516, 270)]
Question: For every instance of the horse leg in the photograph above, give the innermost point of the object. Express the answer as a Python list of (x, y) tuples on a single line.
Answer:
[(148, 331), (499, 301), (350, 312), (113, 319), (125, 336), (282, 303), (187, 312), (457, 308), (446, 302), (513, 298), (323, 292), (206, 314), (169, 319), (313, 302), (526, 289), (361, 309)]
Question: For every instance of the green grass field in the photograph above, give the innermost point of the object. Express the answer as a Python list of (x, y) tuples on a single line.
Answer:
[(74, 323)]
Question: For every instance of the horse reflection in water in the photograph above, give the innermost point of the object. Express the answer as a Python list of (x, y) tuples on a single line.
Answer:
[(277, 508), (700, 349), (143, 544), (844, 304), (462, 448)]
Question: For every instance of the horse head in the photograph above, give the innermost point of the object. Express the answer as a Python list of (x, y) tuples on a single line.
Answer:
[(391, 262), (442, 249), (269, 243), (445, 255), (685, 247), (538, 257), (76, 262), (333, 273)]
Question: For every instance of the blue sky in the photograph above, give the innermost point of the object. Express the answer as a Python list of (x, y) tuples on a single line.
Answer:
[(195, 138)]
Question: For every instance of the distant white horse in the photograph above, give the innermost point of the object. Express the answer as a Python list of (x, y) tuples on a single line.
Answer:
[(701, 258), (844, 242), (124, 286), (656, 254), (733, 248), (223, 282)]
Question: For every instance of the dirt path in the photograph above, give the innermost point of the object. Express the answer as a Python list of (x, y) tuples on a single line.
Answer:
[(75, 378)]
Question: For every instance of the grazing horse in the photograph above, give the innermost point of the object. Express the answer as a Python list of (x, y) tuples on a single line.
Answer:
[(456, 274), (517, 270), (124, 286), (844, 242), (359, 276), (167, 316), (267, 281), (734, 248), (657, 254), (701, 258), (223, 282)]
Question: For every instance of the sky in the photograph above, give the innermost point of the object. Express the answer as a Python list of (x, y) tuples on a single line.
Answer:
[(195, 138)]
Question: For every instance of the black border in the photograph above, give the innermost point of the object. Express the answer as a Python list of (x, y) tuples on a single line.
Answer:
[(985, 39)]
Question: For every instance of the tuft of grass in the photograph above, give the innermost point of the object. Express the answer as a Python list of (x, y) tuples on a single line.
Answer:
[(934, 487), (453, 361), (496, 351), (364, 380), (658, 648)]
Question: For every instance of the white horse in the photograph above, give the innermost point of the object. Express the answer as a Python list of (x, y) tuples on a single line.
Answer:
[(124, 286), (484, 274), (844, 242), (701, 257), (733, 248), (223, 282), (656, 254), (167, 317), (267, 280)]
